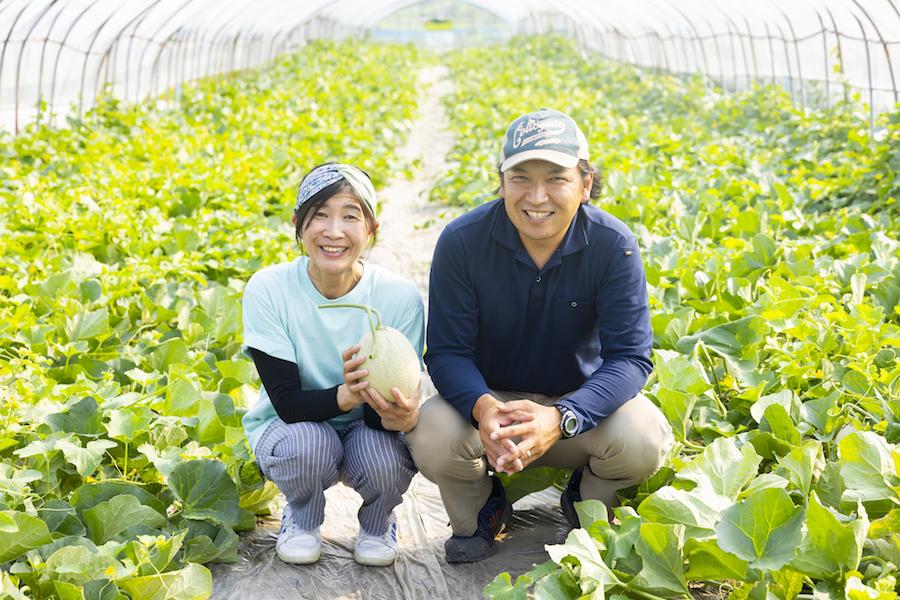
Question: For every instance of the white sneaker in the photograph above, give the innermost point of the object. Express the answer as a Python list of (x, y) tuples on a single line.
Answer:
[(295, 545), (376, 550)]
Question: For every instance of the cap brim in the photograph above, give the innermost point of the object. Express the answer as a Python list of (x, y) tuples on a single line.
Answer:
[(557, 158)]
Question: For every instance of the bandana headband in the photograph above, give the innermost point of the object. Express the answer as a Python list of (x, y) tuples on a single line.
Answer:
[(329, 174)]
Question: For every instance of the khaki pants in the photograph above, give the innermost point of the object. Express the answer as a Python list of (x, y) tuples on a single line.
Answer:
[(623, 450)]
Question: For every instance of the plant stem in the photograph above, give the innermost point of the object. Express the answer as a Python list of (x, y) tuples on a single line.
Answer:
[(373, 324)]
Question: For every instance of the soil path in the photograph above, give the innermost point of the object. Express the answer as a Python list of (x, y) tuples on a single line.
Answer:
[(409, 229)]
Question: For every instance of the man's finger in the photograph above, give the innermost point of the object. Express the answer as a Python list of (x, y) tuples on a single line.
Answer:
[(511, 431), (518, 416), (514, 405)]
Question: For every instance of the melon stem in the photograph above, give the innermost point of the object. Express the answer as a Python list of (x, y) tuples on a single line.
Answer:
[(374, 323)]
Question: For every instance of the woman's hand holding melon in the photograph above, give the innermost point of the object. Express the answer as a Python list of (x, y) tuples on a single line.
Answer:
[(400, 414), (348, 396)]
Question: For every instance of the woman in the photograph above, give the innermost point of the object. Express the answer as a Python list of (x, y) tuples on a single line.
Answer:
[(315, 422)]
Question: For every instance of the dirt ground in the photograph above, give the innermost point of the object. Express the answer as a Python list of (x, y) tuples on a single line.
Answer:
[(409, 229)]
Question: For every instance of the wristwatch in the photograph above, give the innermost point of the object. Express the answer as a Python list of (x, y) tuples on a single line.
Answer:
[(568, 423)]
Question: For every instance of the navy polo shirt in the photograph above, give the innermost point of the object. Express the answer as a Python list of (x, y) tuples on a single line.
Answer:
[(578, 326)]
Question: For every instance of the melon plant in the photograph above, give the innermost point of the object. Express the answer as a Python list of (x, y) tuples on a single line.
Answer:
[(391, 360)]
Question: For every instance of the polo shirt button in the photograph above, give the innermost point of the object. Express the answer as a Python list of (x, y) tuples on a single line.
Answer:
[(574, 304), (538, 280)]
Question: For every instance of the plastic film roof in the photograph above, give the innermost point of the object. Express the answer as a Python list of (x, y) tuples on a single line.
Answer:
[(60, 52)]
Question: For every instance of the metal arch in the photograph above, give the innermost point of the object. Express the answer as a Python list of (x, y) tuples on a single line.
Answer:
[(796, 54), (112, 50), (110, 55), (40, 81), (697, 34), (701, 40), (787, 60), (662, 44), (201, 38), (681, 39), (88, 53), (737, 31), (824, 30), (837, 38), (6, 43), (868, 72), (162, 48), (750, 37), (887, 53), (21, 54)]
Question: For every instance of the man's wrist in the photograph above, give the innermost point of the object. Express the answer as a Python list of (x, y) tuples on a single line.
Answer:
[(484, 404)]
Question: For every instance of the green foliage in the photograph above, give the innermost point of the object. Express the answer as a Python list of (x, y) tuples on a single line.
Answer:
[(769, 236), (126, 240)]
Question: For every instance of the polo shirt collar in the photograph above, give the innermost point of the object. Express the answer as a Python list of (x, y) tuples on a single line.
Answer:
[(506, 234)]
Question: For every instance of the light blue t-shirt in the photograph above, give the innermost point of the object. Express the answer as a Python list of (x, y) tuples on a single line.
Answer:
[(282, 319)]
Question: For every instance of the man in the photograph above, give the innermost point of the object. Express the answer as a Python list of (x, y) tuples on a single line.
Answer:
[(538, 341)]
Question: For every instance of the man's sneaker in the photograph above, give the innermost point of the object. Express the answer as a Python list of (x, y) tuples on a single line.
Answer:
[(492, 518), (569, 497), (295, 545), (376, 550)]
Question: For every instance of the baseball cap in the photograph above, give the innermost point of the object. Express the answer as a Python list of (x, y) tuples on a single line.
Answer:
[(544, 134)]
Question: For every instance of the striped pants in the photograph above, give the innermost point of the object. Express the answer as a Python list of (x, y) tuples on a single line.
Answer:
[(306, 458)]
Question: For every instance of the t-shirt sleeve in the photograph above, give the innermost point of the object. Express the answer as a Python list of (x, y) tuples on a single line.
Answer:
[(264, 328), (412, 323)]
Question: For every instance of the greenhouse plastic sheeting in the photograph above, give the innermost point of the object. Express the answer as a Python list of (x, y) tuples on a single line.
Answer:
[(420, 570)]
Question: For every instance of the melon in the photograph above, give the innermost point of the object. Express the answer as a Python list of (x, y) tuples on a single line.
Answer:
[(391, 360)]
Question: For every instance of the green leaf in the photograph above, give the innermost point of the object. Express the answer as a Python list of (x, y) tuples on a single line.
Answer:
[(110, 518), (90, 495), (126, 424), (582, 547), (77, 565), (240, 370), (81, 418), (68, 591), (736, 341), (830, 546), (764, 529), (779, 423), (784, 398), (171, 352), (867, 467), (182, 398), (676, 372), (15, 482), (802, 465), (194, 582), (21, 533), (205, 491), (502, 588), (519, 485), (85, 459), (698, 510), (725, 467), (591, 511), (787, 583), (87, 324), (708, 562), (660, 548)]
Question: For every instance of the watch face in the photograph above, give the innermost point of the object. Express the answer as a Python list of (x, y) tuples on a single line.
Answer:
[(569, 424)]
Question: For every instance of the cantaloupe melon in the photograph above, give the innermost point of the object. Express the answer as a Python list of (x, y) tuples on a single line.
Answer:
[(391, 360)]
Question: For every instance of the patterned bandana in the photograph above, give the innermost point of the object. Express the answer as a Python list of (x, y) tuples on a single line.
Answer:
[(326, 175)]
